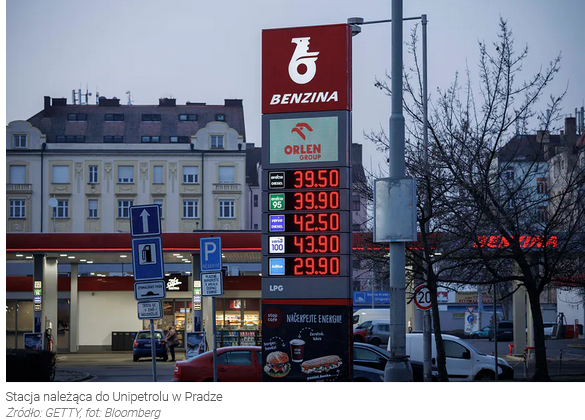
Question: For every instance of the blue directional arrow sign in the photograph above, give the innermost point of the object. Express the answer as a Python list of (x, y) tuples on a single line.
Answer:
[(147, 259), (145, 220), (210, 254)]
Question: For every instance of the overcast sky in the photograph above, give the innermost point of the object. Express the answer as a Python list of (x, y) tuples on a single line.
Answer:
[(207, 51)]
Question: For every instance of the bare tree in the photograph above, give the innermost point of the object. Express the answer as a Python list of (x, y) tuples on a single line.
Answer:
[(495, 214)]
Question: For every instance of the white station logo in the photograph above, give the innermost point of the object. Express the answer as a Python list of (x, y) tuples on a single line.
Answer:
[(302, 56)]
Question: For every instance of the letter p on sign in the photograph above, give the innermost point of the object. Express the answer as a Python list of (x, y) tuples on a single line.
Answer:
[(210, 254)]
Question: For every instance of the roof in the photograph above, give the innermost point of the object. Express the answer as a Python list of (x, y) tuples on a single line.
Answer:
[(53, 119), (525, 147)]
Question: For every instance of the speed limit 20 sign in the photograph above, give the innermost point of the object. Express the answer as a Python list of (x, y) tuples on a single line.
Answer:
[(422, 297)]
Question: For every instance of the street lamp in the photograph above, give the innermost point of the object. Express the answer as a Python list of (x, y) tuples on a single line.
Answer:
[(398, 368)]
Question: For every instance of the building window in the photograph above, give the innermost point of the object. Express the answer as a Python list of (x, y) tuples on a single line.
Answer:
[(355, 204), (77, 117), (509, 175), (92, 209), (70, 139), (256, 227), (125, 174), (157, 175), (219, 117), (179, 139), (542, 214), (190, 209), (113, 139), (17, 174), (356, 227), (150, 139), (17, 209), (216, 142), (227, 174), (150, 117), (187, 117), (190, 174), (542, 186), (255, 200), (62, 210), (124, 208), (19, 141), (226, 209), (357, 264), (92, 174), (159, 202), (60, 174), (114, 117)]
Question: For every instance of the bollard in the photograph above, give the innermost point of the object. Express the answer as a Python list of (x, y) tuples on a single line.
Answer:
[(525, 365), (560, 361)]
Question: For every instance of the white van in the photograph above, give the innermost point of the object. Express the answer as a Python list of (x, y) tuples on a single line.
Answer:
[(363, 315), (464, 362)]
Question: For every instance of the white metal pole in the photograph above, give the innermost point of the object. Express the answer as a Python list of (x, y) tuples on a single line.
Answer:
[(153, 350)]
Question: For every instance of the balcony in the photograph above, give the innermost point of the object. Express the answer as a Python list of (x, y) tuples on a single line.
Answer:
[(19, 188), (227, 188)]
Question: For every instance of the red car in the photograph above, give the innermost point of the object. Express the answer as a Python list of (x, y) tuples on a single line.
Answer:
[(234, 364), (359, 335)]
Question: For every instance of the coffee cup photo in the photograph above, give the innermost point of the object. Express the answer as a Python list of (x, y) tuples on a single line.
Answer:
[(297, 350)]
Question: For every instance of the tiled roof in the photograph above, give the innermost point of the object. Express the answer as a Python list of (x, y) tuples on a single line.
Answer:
[(53, 120), (526, 147)]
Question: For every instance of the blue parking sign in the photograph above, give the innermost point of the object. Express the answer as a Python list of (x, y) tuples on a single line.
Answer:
[(210, 253), (145, 220)]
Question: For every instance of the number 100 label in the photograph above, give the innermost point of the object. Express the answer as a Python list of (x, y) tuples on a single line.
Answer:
[(276, 245)]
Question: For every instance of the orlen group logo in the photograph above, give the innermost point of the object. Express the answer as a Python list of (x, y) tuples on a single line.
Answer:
[(306, 69)]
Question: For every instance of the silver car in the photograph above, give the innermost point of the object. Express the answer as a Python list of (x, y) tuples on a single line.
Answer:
[(378, 333)]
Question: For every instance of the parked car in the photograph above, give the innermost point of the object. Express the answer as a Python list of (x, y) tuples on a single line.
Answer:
[(234, 364), (142, 345), (359, 335), (372, 357), (505, 331), (378, 333), (367, 374), (363, 315), (464, 362), (359, 332), (483, 333)]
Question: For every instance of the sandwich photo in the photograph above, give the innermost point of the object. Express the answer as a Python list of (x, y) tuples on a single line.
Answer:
[(277, 364), (321, 364)]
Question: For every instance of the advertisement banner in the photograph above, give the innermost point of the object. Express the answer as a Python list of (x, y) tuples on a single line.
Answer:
[(195, 344), (306, 69), (33, 341), (306, 343)]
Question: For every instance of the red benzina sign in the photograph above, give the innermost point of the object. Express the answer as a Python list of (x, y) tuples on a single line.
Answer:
[(526, 241), (306, 69)]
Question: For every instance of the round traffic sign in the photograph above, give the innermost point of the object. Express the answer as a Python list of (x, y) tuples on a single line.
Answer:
[(422, 297)]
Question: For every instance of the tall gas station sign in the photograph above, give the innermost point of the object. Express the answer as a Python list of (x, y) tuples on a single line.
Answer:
[(306, 225)]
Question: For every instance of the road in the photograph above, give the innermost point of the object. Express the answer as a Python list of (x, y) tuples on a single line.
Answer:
[(119, 367), (571, 362), (116, 367)]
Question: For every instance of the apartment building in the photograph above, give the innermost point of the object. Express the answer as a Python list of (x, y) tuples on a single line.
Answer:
[(79, 168)]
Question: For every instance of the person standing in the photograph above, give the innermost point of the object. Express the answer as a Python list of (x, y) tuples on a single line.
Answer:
[(173, 340)]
